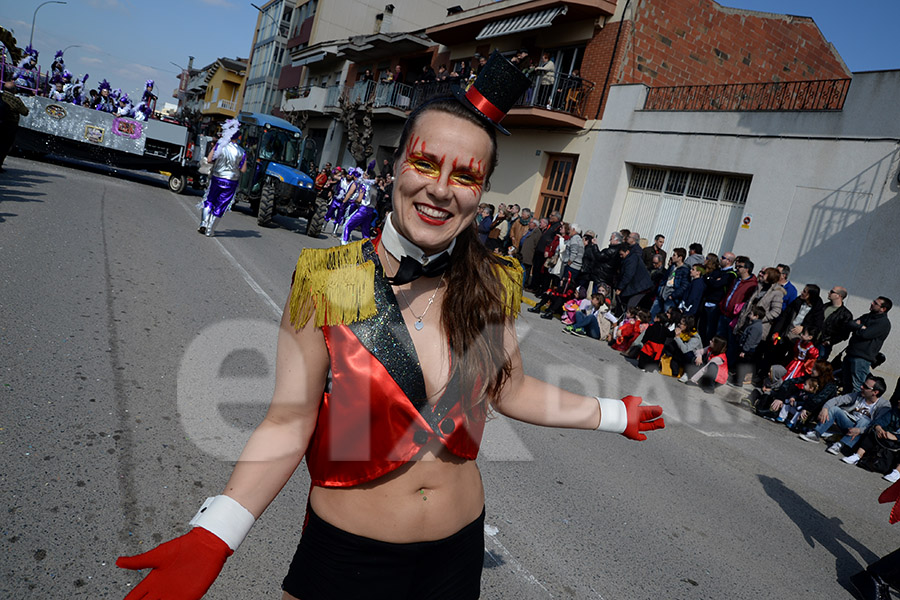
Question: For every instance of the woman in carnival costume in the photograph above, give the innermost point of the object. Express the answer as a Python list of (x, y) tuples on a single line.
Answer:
[(228, 162), (391, 354), (366, 214)]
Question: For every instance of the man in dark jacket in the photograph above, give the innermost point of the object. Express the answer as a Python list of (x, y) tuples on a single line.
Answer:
[(657, 271), (527, 246), (672, 290), (600, 266), (869, 333), (837, 316), (634, 281), (655, 250), (538, 278), (717, 283), (807, 310)]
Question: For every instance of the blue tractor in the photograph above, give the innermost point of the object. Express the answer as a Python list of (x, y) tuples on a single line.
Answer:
[(275, 181)]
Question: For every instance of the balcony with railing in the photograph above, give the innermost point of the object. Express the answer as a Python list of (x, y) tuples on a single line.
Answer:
[(828, 94), (382, 95), (556, 100), (311, 98), (226, 107)]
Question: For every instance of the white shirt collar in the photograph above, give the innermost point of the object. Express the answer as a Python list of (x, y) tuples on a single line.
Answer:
[(398, 246)]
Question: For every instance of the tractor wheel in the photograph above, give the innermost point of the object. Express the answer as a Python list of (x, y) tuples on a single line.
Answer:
[(316, 221), (266, 204), (177, 183)]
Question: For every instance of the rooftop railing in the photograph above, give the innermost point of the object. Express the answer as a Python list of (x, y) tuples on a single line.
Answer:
[(827, 94)]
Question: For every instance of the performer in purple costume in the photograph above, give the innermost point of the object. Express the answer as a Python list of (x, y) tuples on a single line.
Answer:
[(344, 189), (351, 199), (228, 162), (366, 214)]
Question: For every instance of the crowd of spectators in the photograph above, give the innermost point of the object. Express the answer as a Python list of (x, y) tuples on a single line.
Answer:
[(712, 320)]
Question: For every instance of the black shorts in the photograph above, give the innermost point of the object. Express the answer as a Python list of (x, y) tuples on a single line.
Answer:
[(332, 564)]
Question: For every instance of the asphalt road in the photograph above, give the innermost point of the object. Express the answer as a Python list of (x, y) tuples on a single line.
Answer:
[(136, 356)]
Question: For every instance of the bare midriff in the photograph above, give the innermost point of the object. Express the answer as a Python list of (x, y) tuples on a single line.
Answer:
[(430, 498)]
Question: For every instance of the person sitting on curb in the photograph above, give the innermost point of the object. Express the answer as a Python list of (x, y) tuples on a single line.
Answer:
[(710, 369), (554, 298), (655, 339), (880, 445), (685, 345), (793, 407), (590, 320), (852, 413), (761, 398), (823, 372)]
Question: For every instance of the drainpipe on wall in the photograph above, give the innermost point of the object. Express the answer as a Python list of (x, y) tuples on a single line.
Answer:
[(612, 60)]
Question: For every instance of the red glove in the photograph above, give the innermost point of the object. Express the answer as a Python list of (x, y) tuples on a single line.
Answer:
[(628, 417), (182, 569), (892, 494), (641, 418)]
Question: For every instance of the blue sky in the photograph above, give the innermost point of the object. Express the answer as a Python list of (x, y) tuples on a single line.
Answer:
[(128, 42)]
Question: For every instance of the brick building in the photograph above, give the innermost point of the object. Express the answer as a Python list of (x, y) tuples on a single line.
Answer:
[(695, 42)]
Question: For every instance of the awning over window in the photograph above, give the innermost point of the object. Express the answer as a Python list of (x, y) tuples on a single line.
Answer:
[(535, 20)]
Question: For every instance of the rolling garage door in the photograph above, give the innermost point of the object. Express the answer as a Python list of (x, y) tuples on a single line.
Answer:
[(685, 206)]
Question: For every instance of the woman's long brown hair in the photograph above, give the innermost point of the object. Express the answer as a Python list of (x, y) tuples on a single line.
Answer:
[(474, 311)]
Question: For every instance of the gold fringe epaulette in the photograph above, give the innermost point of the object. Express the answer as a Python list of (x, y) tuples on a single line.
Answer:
[(510, 275), (337, 283)]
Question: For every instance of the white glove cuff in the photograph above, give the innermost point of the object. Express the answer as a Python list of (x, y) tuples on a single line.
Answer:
[(613, 415), (225, 518)]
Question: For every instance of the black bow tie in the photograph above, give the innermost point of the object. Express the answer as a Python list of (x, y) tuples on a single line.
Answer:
[(411, 269)]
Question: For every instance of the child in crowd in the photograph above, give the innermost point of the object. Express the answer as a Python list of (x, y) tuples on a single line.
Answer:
[(627, 331), (654, 342), (579, 303), (589, 319), (693, 298), (711, 368), (685, 346), (805, 354), (791, 409)]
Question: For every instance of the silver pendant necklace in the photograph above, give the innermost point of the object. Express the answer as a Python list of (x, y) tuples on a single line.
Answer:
[(419, 325)]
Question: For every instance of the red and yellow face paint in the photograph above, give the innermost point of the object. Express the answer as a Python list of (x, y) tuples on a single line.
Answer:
[(469, 175)]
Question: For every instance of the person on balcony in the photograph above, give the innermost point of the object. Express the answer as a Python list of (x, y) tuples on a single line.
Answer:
[(427, 76), (523, 61), (547, 77)]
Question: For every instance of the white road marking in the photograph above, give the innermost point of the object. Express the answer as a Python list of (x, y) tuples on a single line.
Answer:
[(276, 310), (508, 558), (724, 434)]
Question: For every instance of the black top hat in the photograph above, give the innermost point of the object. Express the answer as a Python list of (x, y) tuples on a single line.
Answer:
[(497, 87)]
